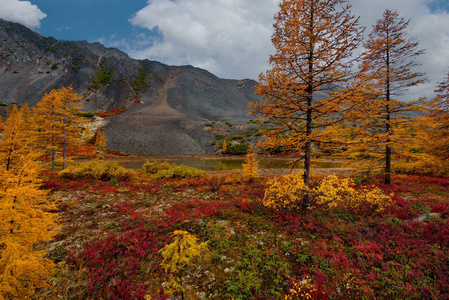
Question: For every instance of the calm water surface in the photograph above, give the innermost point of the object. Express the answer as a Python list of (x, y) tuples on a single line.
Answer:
[(223, 165)]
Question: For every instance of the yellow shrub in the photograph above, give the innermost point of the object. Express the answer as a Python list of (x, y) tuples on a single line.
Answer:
[(332, 192), (302, 290), (286, 192), (97, 169), (165, 170), (178, 256), (152, 167)]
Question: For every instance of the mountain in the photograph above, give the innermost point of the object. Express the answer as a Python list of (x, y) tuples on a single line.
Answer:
[(166, 106)]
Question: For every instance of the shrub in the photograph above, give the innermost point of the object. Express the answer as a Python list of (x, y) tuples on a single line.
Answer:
[(114, 112), (97, 169), (152, 167), (86, 114), (288, 193), (237, 149), (334, 192), (180, 171), (165, 170)]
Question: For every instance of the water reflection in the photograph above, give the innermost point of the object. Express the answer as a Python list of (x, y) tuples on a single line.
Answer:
[(224, 165)]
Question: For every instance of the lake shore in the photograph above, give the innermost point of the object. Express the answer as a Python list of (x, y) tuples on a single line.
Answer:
[(316, 171)]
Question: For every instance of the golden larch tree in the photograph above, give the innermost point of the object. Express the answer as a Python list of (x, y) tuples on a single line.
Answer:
[(303, 91), (71, 120), (87, 134), (17, 137), (24, 217), (387, 73), (100, 141), (58, 121), (251, 164), (439, 113), (224, 147)]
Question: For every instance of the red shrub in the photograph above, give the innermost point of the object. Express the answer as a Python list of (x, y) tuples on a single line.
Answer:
[(115, 261)]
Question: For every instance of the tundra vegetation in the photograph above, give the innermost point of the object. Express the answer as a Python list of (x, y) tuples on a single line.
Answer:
[(95, 230)]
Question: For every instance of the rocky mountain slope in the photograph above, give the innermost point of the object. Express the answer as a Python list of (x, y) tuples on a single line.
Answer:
[(166, 106)]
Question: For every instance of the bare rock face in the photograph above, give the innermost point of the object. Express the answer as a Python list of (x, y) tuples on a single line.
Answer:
[(166, 106)]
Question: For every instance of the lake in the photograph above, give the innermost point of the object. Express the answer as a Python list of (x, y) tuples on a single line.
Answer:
[(231, 164)]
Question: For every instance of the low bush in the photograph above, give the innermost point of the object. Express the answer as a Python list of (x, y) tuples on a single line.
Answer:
[(165, 170), (180, 171), (152, 167), (97, 169), (285, 193), (289, 193)]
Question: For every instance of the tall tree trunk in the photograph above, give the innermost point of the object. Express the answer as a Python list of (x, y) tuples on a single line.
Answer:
[(53, 149), (387, 178), (64, 149)]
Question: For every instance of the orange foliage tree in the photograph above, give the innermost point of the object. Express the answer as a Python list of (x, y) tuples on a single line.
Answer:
[(24, 220), (100, 141), (251, 164), (439, 113), (17, 136), (58, 121), (387, 73), (314, 41)]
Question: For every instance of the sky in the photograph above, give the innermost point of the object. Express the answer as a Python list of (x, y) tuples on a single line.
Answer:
[(230, 38)]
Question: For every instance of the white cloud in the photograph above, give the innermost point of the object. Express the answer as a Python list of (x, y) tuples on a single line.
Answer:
[(22, 12), (64, 27), (232, 38)]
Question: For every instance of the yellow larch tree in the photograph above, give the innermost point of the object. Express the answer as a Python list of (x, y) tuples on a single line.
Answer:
[(24, 217), (87, 134), (58, 121), (100, 141), (178, 257), (387, 73), (224, 147), (251, 164), (304, 90), (71, 120), (17, 136), (439, 113)]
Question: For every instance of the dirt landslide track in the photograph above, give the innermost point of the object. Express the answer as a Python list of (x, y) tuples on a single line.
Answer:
[(155, 124)]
